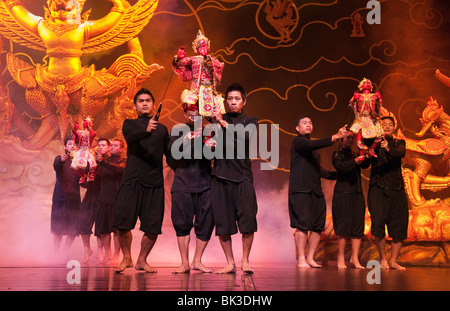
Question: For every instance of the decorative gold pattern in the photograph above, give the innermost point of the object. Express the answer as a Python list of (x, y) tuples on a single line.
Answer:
[(64, 84)]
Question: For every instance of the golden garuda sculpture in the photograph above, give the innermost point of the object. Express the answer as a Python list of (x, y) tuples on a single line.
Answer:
[(428, 160), (64, 92)]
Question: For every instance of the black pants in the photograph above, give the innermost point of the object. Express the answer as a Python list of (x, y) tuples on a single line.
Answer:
[(307, 211), (233, 202), (185, 207), (388, 208), (135, 201)]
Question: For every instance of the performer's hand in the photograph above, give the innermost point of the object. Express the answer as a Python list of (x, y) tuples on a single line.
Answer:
[(360, 159), (217, 115), (340, 134), (64, 157), (98, 157), (181, 53), (384, 144), (152, 125), (211, 143)]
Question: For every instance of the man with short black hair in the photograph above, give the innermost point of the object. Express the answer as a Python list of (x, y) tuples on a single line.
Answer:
[(307, 206), (66, 199), (232, 191), (141, 194), (112, 166), (388, 205)]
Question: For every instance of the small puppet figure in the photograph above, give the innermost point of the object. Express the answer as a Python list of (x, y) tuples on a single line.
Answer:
[(204, 72), (84, 157), (366, 126)]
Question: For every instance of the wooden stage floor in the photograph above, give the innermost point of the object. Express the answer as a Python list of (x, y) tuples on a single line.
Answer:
[(266, 278)]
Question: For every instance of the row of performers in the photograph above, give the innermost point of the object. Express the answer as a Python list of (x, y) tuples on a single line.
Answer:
[(223, 196)]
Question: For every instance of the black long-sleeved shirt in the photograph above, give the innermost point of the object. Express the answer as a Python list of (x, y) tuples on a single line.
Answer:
[(191, 175), (67, 185), (145, 152), (111, 177), (348, 179), (386, 170), (239, 167), (305, 170)]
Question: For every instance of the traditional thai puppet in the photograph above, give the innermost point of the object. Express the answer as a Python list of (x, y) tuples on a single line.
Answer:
[(366, 126), (83, 158), (204, 72)]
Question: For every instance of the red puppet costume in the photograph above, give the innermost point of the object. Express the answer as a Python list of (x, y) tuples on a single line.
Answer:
[(204, 72), (83, 156), (366, 126)]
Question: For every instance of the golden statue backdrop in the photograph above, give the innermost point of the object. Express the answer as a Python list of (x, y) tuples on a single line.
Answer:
[(64, 91)]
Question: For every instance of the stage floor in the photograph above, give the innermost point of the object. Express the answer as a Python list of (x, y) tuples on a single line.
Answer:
[(265, 278)]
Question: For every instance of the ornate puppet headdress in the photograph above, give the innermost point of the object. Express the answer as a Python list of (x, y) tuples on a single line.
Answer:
[(199, 38), (360, 86)]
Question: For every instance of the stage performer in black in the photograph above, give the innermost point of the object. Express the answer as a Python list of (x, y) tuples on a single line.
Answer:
[(386, 199), (89, 205), (111, 165), (191, 191), (307, 206), (66, 199), (349, 206), (141, 193), (232, 191)]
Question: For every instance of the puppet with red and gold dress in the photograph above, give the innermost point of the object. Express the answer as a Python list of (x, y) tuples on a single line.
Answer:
[(366, 126), (204, 72), (84, 157)]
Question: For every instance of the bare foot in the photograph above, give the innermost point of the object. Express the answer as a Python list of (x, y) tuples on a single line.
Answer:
[(245, 267), (301, 263), (181, 269), (227, 269), (200, 267), (356, 263), (126, 263), (396, 266), (144, 267), (313, 264), (384, 265), (341, 263)]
